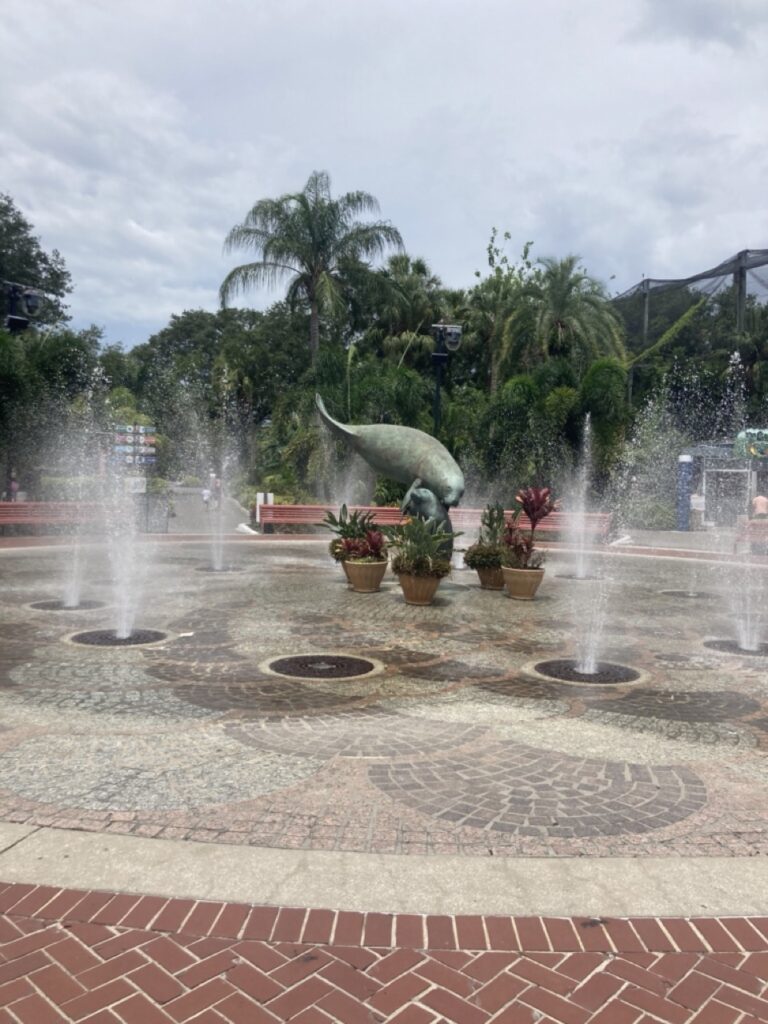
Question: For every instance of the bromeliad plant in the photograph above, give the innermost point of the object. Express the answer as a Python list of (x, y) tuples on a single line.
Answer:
[(370, 548), (519, 549), (349, 526), (487, 552), (420, 547)]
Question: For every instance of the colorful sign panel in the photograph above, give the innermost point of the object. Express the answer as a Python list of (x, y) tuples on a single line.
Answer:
[(751, 444)]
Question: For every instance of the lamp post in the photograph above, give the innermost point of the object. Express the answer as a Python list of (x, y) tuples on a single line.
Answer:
[(447, 339), (23, 302)]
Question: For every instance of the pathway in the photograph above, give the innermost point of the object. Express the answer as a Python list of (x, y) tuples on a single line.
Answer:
[(420, 845)]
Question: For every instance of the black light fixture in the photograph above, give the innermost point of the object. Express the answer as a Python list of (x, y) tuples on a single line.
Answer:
[(447, 339), (23, 302)]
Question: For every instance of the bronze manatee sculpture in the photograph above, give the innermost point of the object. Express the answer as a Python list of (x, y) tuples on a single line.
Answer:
[(404, 454)]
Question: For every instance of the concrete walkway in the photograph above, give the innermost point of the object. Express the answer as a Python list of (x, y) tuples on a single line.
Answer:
[(185, 836)]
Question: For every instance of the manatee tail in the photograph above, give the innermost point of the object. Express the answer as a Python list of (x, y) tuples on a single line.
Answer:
[(339, 429)]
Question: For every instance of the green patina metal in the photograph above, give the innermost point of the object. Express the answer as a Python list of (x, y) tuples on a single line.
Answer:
[(404, 454)]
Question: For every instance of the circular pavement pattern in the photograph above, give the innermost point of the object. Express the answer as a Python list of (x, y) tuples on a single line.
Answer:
[(365, 732), (681, 705), (514, 788), (268, 698)]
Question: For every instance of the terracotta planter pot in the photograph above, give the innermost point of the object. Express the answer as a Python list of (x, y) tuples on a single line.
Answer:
[(365, 577), (346, 572), (418, 589), (490, 578), (522, 584)]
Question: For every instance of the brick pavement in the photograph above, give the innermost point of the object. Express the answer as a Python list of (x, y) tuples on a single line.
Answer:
[(107, 958)]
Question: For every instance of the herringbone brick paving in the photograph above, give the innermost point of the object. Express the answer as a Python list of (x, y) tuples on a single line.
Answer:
[(108, 958)]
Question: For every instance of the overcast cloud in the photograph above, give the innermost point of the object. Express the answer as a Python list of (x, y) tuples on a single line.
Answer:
[(134, 135)]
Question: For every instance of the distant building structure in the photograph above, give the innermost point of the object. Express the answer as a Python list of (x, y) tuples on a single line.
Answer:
[(717, 480)]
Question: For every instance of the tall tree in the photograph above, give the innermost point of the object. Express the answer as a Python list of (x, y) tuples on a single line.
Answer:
[(24, 262), (491, 303), (311, 239), (563, 312)]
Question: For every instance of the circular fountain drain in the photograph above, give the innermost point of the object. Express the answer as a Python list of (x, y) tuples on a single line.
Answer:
[(688, 593), (565, 670), (731, 647), (224, 568), (321, 666), (59, 606), (108, 638)]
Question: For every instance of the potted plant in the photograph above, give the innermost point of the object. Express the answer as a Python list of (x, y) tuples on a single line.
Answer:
[(348, 526), (522, 561), (365, 561), (485, 556), (420, 561)]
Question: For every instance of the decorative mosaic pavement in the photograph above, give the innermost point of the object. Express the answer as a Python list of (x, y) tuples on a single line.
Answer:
[(451, 743)]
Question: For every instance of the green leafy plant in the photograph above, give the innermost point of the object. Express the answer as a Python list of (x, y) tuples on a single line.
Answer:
[(347, 526), (519, 549), (370, 548), (488, 551), (420, 547)]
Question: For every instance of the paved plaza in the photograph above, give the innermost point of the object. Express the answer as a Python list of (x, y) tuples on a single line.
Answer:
[(449, 829)]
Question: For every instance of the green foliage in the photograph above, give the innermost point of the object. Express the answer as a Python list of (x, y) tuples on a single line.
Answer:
[(348, 526), (604, 396), (370, 548), (491, 303), (563, 312), (388, 492), (518, 549), (487, 552), (419, 545), (68, 488), (24, 262), (313, 240), (643, 486), (492, 524), (484, 556)]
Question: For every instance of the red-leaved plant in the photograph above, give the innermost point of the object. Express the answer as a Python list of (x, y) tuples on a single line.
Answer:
[(370, 548), (537, 503)]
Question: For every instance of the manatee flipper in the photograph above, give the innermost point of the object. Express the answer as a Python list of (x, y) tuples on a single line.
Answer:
[(407, 499), (339, 429)]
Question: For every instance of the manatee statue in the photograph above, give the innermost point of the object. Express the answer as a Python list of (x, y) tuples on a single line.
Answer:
[(423, 503), (401, 453)]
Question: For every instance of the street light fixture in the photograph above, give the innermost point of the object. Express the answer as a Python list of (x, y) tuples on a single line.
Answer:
[(447, 339), (23, 302)]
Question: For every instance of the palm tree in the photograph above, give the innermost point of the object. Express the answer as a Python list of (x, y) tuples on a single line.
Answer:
[(563, 312), (411, 300), (312, 239)]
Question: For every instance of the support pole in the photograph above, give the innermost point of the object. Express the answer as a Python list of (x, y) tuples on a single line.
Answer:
[(740, 288)]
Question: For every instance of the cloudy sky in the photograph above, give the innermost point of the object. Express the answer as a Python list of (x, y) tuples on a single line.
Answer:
[(135, 134)]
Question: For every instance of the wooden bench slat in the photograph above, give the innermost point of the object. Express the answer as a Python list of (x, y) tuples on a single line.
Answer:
[(46, 513), (597, 524)]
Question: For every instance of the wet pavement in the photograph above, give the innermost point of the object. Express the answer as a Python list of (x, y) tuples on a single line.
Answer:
[(452, 745)]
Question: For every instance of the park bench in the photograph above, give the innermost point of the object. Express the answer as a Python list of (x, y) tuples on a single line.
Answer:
[(47, 513), (313, 515), (752, 532), (597, 525)]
